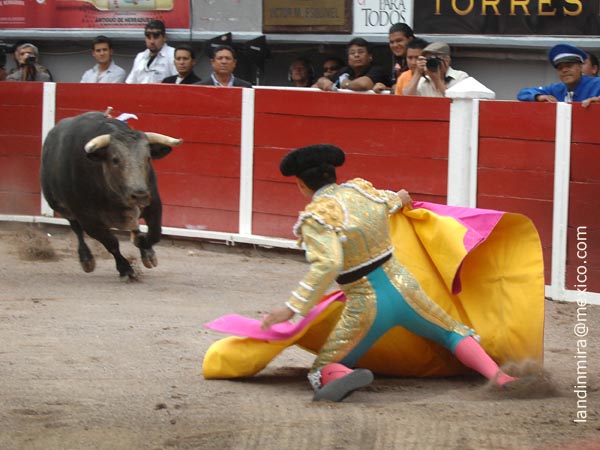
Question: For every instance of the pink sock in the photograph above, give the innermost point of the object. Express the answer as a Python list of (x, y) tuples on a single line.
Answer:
[(471, 354)]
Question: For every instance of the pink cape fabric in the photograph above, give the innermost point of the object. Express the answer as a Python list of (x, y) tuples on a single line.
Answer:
[(244, 326), (478, 222)]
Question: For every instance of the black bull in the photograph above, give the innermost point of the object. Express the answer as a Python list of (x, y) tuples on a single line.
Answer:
[(97, 173)]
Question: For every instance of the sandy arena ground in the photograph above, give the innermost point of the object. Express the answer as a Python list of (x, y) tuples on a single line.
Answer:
[(89, 362)]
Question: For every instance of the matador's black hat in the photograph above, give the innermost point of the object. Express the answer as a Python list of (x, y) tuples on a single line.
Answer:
[(302, 159)]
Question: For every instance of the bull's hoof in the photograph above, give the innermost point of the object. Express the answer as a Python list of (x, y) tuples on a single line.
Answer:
[(149, 259), (130, 277), (88, 265)]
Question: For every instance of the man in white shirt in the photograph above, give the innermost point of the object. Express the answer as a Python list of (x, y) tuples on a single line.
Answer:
[(434, 72), (106, 71), (157, 62)]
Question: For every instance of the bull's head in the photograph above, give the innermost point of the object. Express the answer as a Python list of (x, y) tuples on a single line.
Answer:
[(125, 159)]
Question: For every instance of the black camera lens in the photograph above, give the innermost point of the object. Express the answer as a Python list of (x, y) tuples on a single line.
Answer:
[(30, 60), (433, 63)]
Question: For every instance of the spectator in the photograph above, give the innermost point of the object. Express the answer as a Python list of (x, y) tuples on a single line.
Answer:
[(28, 68), (332, 66), (157, 62), (434, 72), (590, 65), (105, 71), (414, 50), (400, 35), (301, 73), (573, 86), (360, 74), (185, 60), (223, 64)]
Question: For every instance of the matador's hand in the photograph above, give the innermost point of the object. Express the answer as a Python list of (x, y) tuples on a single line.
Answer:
[(277, 315), (405, 197)]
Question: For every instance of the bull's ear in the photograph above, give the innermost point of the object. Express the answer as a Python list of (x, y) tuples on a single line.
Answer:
[(158, 151)]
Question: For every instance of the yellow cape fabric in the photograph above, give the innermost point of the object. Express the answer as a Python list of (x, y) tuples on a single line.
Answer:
[(502, 298)]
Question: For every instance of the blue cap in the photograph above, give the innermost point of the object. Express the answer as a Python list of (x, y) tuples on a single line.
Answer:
[(561, 53)]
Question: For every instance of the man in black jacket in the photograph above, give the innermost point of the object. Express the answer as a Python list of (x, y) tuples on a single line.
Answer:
[(185, 60)]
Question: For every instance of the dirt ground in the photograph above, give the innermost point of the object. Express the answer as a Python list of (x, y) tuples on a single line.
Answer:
[(89, 362)]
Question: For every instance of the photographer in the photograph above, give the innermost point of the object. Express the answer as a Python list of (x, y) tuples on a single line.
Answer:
[(28, 68), (434, 73)]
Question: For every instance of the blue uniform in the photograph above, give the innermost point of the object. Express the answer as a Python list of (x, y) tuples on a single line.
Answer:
[(587, 87)]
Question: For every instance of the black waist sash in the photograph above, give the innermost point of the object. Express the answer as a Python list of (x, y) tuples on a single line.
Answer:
[(354, 275)]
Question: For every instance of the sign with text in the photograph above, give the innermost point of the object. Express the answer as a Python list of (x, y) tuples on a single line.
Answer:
[(92, 13), (376, 16), (306, 16), (507, 17)]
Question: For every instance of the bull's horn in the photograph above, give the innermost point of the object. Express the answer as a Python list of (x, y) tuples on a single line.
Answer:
[(98, 142), (155, 138)]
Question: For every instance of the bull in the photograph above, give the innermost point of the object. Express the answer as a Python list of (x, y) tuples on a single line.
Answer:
[(97, 173)]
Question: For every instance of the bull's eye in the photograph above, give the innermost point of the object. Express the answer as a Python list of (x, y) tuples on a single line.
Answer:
[(115, 161)]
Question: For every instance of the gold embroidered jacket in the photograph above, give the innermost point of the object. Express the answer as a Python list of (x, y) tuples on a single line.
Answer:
[(344, 227)]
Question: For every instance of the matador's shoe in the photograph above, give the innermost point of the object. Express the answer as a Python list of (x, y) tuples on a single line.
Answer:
[(335, 381)]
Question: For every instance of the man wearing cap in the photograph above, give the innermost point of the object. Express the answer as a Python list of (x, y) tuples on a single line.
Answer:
[(345, 231), (157, 62), (573, 86), (434, 72)]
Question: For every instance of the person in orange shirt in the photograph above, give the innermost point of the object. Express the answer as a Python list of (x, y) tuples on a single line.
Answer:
[(413, 51)]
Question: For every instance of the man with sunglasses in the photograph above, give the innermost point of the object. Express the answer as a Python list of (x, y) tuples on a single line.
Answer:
[(332, 66), (157, 62)]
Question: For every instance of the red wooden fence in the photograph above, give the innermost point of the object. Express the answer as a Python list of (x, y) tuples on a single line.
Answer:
[(396, 142)]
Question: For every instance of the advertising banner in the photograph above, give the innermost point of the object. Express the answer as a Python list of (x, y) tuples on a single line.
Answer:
[(376, 16), (306, 16), (507, 17), (92, 13)]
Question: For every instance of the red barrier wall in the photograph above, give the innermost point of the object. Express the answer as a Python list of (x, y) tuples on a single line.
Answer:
[(395, 142), (198, 181), (516, 163), (20, 145), (583, 254)]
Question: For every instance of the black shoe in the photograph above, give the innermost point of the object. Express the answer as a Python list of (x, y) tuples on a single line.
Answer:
[(338, 390)]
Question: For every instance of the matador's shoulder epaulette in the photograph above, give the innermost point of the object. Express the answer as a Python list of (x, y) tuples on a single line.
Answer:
[(325, 210), (377, 195), (364, 187)]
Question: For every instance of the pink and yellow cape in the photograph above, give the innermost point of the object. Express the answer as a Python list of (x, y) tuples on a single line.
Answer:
[(484, 267)]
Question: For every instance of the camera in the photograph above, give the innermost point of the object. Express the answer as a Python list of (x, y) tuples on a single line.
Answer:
[(30, 60), (433, 63)]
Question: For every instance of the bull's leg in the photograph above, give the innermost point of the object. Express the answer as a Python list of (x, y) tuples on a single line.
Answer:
[(85, 255), (111, 243), (152, 214)]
